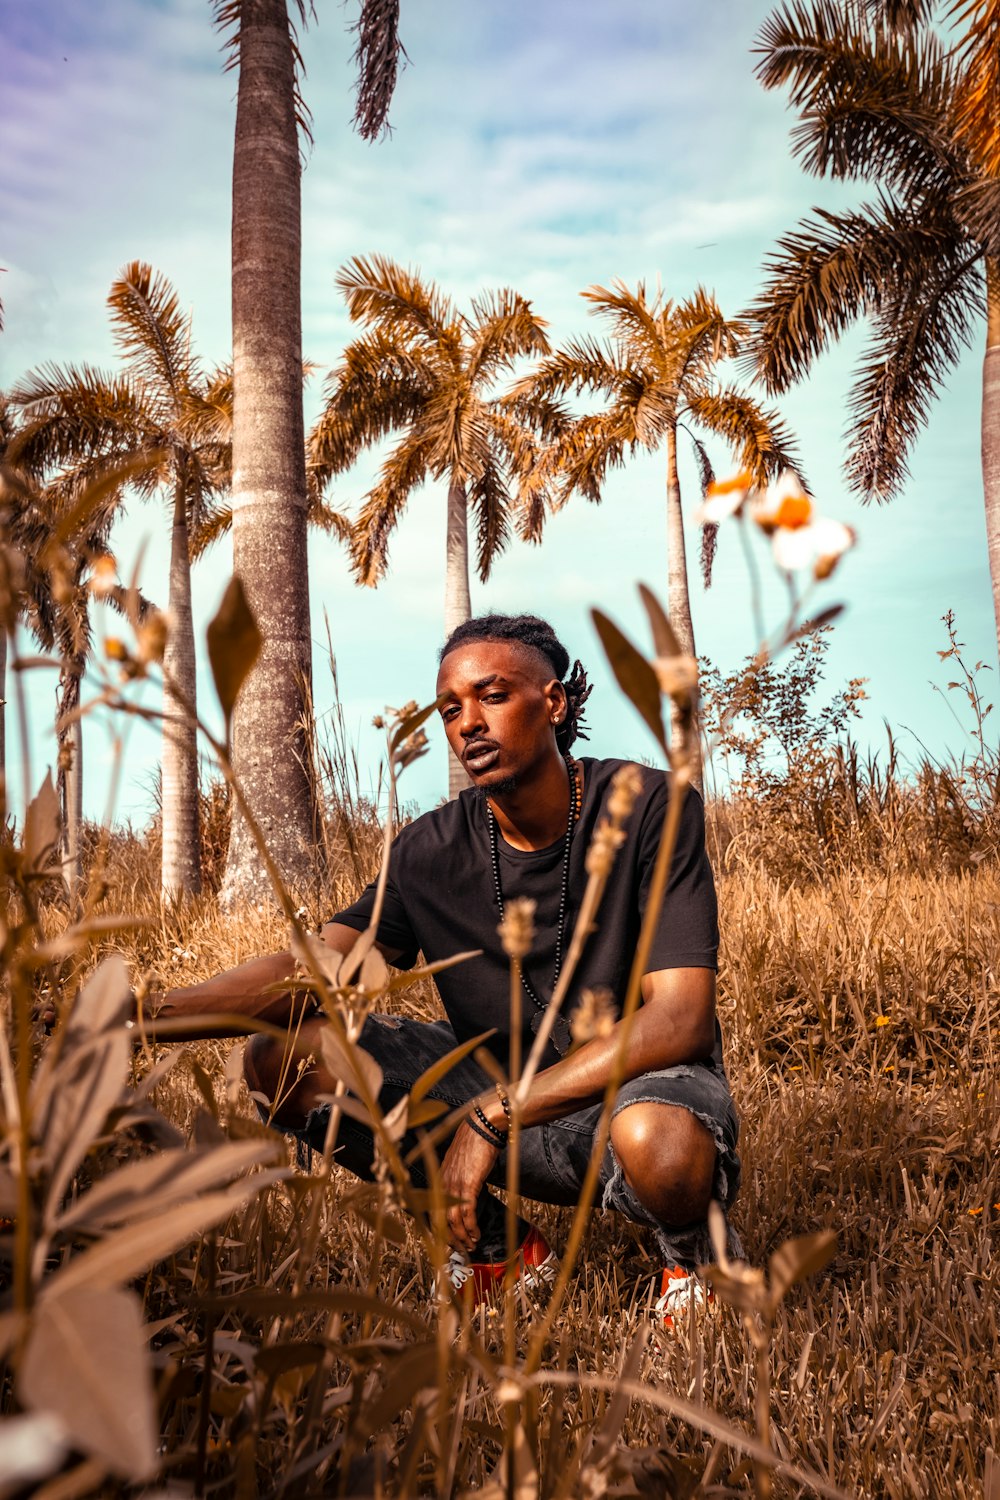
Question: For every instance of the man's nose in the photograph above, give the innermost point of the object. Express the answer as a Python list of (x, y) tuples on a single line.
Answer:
[(470, 721)]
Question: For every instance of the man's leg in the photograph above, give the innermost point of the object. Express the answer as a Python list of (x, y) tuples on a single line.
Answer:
[(295, 1083), (672, 1149)]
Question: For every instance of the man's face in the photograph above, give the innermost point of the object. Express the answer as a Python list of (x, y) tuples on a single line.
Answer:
[(500, 712)]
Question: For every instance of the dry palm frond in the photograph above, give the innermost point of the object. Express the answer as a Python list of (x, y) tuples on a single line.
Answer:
[(489, 502), (917, 340), (380, 292), (406, 467), (153, 335), (977, 94), (377, 56)]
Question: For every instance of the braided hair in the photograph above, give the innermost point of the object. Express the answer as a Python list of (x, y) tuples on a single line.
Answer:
[(538, 636)]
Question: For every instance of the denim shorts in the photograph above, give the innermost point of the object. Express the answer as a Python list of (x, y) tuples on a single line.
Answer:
[(553, 1157)]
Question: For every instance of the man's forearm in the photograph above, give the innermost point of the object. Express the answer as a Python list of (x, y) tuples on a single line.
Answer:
[(247, 990), (659, 1037)]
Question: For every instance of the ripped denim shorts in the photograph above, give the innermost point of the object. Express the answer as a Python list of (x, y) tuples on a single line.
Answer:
[(553, 1157)]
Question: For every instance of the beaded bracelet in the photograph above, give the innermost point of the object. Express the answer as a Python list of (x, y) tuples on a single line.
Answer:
[(495, 1135), (505, 1103), (480, 1132)]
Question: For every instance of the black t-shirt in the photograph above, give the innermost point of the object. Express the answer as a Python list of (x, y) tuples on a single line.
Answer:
[(441, 900)]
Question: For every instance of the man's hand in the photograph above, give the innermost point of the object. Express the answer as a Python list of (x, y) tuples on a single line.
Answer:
[(467, 1164)]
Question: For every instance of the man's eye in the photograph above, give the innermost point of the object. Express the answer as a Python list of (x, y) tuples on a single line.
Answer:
[(494, 697), (449, 713)]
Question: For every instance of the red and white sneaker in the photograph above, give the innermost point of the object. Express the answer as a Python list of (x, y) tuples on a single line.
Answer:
[(536, 1263), (678, 1290)]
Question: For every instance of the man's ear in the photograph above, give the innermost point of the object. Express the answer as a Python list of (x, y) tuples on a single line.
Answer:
[(558, 705)]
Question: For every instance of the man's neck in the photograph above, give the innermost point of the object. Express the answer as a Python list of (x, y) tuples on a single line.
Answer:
[(534, 814)]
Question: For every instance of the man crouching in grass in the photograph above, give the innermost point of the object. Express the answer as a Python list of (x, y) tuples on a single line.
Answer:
[(511, 710)]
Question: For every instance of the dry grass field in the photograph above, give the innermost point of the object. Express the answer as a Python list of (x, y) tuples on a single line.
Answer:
[(300, 1348)]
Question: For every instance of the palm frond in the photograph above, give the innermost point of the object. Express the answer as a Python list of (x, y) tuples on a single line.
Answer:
[(636, 324), (901, 15), (380, 292), (757, 436), (331, 521), (377, 57), (405, 468), (503, 326), (151, 331), (69, 412), (584, 364), (209, 530), (977, 93), (874, 103), (490, 502), (591, 447), (832, 270), (700, 337), (977, 207), (918, 340)]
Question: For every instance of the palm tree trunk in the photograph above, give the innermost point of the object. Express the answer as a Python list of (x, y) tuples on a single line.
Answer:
[(269, 479), (678, 595), (457, 600), (180, 870), (70, 775), (991, 430), (3, 725)]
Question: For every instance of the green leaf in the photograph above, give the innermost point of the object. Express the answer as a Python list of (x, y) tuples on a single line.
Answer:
[(796, 1259), (234, 644), (86, 1363), (634, 674)]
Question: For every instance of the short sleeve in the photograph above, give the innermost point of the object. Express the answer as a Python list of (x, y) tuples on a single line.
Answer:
[(394, 931), (687, 934)]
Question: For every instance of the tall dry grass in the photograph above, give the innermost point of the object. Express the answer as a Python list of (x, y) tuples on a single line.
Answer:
[(299, 1341), (860, 1016)]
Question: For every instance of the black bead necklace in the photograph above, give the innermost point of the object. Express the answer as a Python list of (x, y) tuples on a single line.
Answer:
[(560, 1037)]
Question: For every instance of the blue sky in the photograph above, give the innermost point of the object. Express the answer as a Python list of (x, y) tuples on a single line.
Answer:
[(540, 146)]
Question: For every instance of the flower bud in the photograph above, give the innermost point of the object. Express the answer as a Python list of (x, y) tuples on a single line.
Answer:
[(517, 930)]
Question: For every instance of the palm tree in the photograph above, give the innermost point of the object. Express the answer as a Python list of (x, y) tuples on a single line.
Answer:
[(270, 755), (428, 372), (165, 421), (51, 546), (880, 98), (658, 372)]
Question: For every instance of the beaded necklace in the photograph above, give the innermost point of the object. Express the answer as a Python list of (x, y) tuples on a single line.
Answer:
[(560, 1037)]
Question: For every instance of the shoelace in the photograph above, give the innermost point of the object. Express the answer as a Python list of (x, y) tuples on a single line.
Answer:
[(681, 1290)]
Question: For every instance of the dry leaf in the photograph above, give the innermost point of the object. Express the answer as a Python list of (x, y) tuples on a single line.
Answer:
[(86, 1364), (234, 643)]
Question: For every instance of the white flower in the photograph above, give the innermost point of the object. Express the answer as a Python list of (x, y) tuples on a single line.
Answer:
[(784, 504), (819, 545), (724, 498)]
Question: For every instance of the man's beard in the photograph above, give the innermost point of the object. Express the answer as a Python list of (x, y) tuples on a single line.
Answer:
[(501, 788)]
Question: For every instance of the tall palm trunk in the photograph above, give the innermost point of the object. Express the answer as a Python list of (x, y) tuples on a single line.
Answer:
[(457, 600), (678, 595), (3, 724), (70, 775), (991, 430), (180, 870), (269, 480)]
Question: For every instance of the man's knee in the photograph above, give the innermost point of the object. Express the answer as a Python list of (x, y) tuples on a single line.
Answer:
[(668, 1157), (262, 1058)]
